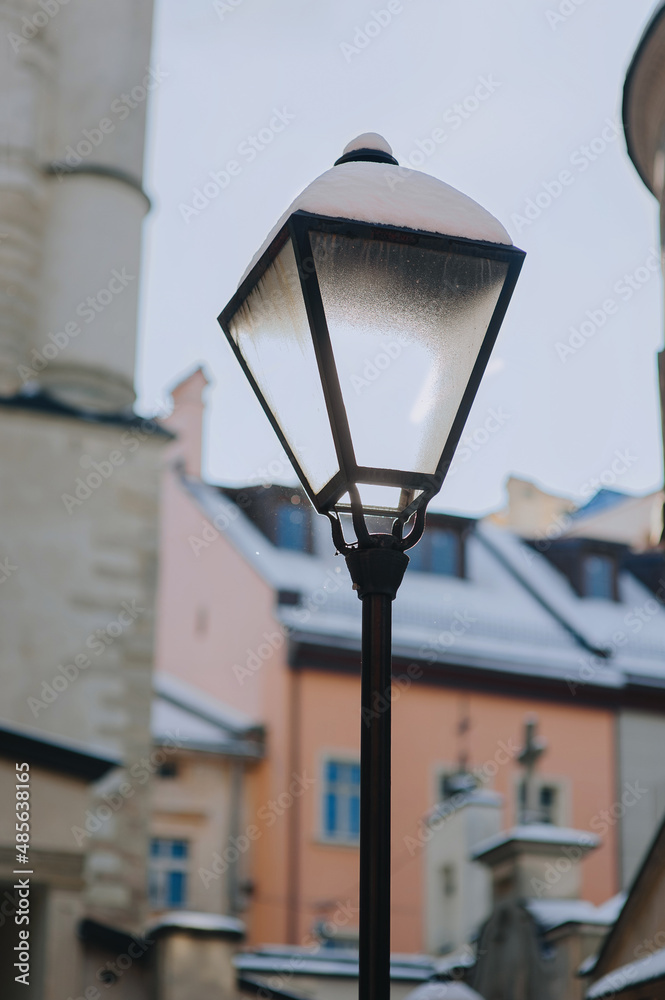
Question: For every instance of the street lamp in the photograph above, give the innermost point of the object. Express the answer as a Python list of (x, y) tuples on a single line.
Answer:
[(373, 261)]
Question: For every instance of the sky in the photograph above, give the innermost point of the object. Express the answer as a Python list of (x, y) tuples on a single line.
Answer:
[(518, 105)]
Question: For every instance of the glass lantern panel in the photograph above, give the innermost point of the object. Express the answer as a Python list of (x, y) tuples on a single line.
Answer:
[(272, 333), (406, 325), (375, 497)]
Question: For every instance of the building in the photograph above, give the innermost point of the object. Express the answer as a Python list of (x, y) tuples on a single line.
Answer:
[(78, 513), (489, 628), (631, 962), (47, 903), (644, 126), (203, 751)]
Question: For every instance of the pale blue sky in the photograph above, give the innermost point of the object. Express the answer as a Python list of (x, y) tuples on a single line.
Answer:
[(555, 94)]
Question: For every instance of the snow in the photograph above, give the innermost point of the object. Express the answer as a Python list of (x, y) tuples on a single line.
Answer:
[(538, 833), (645, 970), (550, 913), (508, 629), (199, 721), (328, 962), (457, 960), (393, 196), (225, 716), (368, 140), (443, 991), (212, 923)]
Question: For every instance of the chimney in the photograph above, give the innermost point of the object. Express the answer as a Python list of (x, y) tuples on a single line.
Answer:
[(535, 858), (186, 421)]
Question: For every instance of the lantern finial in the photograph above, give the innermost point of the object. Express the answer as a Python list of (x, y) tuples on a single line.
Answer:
[(371, 147)]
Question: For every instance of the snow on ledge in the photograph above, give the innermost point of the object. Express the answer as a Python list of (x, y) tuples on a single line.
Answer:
[(538, 833), (551, 913), (645, 970), (210, 923)]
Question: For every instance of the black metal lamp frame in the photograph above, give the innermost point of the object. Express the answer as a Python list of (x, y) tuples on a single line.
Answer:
[(376, 562), (298, 227)]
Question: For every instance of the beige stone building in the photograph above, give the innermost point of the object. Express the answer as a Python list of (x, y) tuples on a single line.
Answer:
[(78, 510), (199, 857)]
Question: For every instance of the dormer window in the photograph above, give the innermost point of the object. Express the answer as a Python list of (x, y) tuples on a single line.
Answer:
[(591, 564), (441, 549), (292, 530), (598, 576)]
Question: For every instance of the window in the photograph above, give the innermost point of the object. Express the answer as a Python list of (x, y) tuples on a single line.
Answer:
[(548, 803), (341, 801), (449, 880), (456, 783), (167, 873), (591, 565), (598, 576), (292, 528), (440, 550)]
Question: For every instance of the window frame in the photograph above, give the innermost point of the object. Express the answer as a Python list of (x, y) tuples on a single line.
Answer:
[(561, 785), (343, 839), (160, 866), (610, 557), (460, 528), (301, 508)]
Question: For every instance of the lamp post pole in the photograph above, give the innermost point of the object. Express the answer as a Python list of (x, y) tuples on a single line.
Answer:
[(356, 255), (377, 572)]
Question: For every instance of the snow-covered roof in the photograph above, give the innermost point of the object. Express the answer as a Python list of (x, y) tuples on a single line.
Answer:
[(538, 834), (328, 962), (443, 991), (200, 722), (395, 196), (551, 913), (514, 612), (603, 500), (645, 970), (460, 959), (207, 923)]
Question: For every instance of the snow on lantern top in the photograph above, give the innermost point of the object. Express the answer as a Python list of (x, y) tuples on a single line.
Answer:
[(368, 185)]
